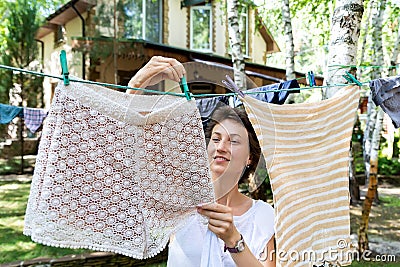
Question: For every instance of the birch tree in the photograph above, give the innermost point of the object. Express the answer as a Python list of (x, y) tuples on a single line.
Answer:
[(364, 39), (377, 18), (287, 22), (345, 31), (372, 184), (375, 127), (395, 52), (236, 43)]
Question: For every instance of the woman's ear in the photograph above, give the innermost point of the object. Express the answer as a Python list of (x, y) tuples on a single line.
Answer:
[(248, 161)]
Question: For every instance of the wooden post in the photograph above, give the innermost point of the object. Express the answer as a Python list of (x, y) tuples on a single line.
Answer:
[(21, 138)]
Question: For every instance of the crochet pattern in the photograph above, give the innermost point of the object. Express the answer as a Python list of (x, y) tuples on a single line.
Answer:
[(117, 172)]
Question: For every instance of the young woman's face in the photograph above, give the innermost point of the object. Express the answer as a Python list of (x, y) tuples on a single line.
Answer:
[(228, 150)]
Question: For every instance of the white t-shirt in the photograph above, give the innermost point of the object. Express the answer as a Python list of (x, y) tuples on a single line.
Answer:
[(256, 226)]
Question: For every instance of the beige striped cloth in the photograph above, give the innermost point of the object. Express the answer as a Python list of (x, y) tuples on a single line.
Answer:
[(306, 147)]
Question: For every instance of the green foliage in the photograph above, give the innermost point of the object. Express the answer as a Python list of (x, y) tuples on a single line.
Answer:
[(311, 32), (373, 264), (21, 50), (388, 166)]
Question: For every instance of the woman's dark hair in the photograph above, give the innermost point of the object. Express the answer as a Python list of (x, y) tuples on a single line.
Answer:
[(238, 115)]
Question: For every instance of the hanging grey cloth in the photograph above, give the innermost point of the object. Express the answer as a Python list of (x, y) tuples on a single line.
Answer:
[(386, 94)]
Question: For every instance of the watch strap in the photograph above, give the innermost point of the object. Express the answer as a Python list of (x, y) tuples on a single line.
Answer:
[(236, 248)]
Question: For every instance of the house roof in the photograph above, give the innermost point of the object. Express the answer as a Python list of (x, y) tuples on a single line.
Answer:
[(64, 14), (146, 49), (272, 46)]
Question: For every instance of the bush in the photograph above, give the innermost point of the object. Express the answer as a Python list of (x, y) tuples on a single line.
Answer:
[(388, 166)]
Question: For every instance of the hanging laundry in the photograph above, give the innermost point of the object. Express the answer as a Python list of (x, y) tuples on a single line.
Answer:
[(117, 172), (306, 148), (33, 118), (272, 97), (386, 94), (207, 106), (8, 113)]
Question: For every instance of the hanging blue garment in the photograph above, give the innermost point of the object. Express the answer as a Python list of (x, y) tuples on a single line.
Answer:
[(206, 107), (8, 113), (272, 97), (386, 94)]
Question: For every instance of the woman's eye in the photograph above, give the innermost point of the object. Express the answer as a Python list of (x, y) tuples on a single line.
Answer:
[(215, 139), (234, 142)]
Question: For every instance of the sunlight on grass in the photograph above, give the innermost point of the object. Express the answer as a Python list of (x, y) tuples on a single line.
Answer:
[(390, 201)]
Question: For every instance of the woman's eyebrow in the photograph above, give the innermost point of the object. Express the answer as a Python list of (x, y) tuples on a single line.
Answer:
[(230, 135)]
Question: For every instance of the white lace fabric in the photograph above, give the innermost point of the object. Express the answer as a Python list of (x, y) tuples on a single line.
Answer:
[(117, 172)]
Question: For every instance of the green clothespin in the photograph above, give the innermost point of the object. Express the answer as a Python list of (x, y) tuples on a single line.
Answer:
[(185, 88), (64, 67), (351, 79), (311, 78)]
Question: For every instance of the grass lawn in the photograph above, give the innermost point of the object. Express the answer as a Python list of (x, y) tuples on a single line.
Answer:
[(374, 264), (14, 245)]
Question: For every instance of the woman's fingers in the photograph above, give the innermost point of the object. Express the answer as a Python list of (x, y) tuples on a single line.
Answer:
[(156, 70), (216, 207), (171, 67)]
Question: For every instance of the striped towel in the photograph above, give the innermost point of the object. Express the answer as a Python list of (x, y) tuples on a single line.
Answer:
[(306, 147)]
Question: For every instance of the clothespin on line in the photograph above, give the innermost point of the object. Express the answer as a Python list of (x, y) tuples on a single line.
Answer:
[(231, 85), (311, 78), (351, 79), (64, 67), (185, 88)]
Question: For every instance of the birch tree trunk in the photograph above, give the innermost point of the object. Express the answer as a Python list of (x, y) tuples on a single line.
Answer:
[(236, 44), (287, 22), (377, 19), (372, 185), (345, 31), (364, 39), (395, 53), (367, 142)]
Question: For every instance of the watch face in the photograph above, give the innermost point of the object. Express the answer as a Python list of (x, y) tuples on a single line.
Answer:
[(240, 246)]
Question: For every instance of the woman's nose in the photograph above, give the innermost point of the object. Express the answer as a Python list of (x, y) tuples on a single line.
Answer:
[(222, 145)]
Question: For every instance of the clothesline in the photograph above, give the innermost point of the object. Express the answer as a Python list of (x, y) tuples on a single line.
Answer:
[(59, 77), (167, 93), (361, 66), (33, 117)]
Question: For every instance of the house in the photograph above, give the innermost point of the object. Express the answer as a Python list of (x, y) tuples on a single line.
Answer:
[(109, 41)]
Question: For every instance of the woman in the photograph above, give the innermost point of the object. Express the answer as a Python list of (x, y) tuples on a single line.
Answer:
[(244, 226)]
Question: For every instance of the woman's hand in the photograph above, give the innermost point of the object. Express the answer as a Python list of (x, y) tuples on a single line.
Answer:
[(221, 222), (156, 70)]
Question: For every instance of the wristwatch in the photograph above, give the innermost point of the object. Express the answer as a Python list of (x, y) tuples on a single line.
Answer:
[(238, 248)]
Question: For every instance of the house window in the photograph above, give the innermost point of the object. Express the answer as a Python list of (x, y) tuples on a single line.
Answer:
[(201, 28), (143, 20), (59, 35)]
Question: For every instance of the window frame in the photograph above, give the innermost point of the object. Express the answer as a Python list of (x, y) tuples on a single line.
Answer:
[(144, 19), (206, 7)]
